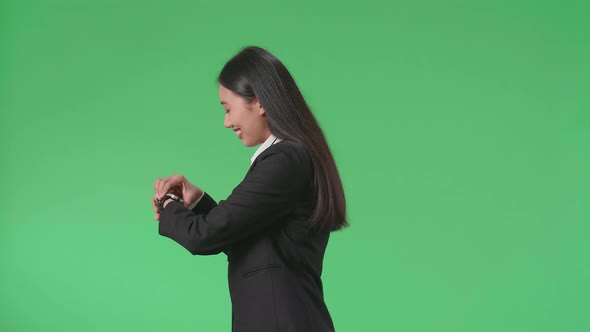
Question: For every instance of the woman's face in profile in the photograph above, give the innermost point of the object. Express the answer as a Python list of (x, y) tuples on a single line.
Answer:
[(248, 120)]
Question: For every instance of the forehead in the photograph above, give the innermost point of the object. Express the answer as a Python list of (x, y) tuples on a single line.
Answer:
[(225, 92), (226, 96)]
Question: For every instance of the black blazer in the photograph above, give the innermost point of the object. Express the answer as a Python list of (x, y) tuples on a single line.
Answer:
[(275, 262)]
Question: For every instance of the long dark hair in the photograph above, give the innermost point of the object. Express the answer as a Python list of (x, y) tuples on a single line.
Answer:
[(255, 72)]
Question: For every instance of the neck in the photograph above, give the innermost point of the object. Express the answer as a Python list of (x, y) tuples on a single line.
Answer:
[(266, 135)]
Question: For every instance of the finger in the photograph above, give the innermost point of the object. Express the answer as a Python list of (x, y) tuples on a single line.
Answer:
[(163, 188), (161, 191), (156, 185), (157, 188), (174, 180), (180, 183), (154, 204)]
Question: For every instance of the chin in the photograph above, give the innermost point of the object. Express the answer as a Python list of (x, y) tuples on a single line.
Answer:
[(250, 142)]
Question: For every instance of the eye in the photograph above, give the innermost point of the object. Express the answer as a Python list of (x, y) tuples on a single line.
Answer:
[(226, 111)]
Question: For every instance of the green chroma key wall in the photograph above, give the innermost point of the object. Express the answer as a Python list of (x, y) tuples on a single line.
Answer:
[(461, 130)]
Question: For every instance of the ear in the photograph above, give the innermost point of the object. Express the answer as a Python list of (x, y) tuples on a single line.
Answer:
[(258, 106)]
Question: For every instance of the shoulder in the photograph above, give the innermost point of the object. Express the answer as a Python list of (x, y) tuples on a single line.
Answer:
[(284, 167), (289, 148), (288, 153)]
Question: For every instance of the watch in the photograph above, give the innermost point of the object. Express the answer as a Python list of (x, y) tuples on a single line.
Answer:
[(160, 202)]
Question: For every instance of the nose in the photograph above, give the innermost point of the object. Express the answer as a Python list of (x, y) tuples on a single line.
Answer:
[(226, 123)]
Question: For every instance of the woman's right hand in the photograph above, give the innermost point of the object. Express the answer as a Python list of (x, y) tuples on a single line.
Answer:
[(178, 185)]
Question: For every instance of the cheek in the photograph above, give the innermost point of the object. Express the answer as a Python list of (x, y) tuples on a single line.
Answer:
[(243, 121)]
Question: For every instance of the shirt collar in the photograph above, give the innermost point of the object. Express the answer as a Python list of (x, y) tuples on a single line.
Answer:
[(272, 139)]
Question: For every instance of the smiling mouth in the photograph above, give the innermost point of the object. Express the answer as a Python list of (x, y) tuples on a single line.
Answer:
[(239, 133)]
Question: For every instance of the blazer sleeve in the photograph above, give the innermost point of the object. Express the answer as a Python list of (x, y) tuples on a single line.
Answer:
[(205, 205), (268, 193)]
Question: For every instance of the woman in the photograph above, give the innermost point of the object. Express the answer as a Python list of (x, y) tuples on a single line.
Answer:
[(274, 226)]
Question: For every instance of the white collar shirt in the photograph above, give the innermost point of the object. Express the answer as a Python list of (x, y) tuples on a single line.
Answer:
[(272, 139)]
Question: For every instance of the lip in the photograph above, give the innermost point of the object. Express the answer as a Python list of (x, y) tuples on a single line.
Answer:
[(240, 134)]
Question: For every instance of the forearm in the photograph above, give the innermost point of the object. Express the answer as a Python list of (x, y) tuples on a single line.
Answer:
[(190, 230)]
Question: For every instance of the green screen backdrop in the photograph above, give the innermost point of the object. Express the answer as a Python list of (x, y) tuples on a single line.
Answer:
[(461, 130)]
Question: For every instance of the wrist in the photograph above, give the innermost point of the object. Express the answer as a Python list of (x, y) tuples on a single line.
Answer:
[(166, 201)]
